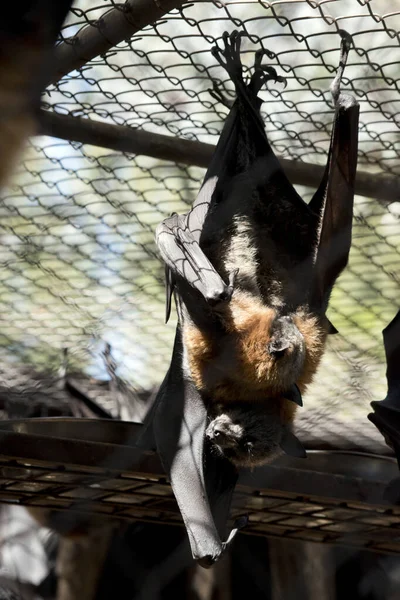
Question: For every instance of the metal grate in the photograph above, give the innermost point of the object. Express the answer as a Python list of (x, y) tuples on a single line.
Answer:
[(92, 479)]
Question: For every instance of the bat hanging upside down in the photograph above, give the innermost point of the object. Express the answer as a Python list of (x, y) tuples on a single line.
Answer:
[(253, 265)]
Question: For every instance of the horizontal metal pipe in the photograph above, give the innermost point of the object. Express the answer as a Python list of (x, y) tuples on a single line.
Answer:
[(113, 27), (385, 188)]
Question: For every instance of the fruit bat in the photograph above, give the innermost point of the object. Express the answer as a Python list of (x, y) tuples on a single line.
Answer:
[(386, 415), (28, 32), (252, 267)]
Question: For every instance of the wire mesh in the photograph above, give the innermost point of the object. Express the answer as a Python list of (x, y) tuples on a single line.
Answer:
[(79, 266)]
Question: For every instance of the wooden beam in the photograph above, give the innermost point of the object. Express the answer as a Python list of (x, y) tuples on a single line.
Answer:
[(382, 187)]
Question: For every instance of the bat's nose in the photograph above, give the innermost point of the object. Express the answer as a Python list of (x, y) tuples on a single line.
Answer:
[(221, 436), (277, 349), (218, 435)]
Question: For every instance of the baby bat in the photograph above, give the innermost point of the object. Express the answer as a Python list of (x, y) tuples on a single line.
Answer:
[(252, 267), (28, 32), (386, 415)]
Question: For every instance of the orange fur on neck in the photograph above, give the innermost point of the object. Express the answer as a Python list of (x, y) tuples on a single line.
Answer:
[(315, 338), (255, 376)]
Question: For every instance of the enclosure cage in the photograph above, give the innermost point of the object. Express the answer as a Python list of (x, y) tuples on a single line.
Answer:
[(126, 129)]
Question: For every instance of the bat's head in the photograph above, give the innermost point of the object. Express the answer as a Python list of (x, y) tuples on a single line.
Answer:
[(248, 433), (284, 352)]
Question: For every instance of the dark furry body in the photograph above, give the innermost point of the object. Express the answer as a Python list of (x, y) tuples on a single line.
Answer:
[(252, 222), (252, 267)]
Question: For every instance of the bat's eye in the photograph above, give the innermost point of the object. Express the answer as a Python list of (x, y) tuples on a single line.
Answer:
[(277, 349)]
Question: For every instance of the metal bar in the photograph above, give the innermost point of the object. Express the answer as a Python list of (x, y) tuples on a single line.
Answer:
[(382, 187), (283, 475), (113, 27), (63, 451), (125, 139)]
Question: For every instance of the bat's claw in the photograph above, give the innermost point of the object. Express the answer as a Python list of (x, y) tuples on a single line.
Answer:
[(291, 445), (263, 74), (219, 96), (208, 561), (345, 46), (347, 40), (232, 280), (259, 56), (239, 524), (231, 284), (231, 55), (214, 299)]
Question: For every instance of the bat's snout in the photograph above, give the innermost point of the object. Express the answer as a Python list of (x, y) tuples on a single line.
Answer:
[(285, 337), (277, 349), (223, 432)]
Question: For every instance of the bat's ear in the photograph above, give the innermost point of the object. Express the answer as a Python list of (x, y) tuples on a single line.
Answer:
[(202, 482), (294, 395), (331, 328)]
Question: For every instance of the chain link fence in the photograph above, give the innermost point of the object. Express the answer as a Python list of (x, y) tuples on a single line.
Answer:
[(79, 267)]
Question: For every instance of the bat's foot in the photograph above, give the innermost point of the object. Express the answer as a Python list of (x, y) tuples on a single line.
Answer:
[(340, 99), (291, 445), (229, 57), (262, 75), (219, 96)]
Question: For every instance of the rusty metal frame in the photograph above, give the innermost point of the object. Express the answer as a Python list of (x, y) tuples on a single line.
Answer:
[(333, 497)]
